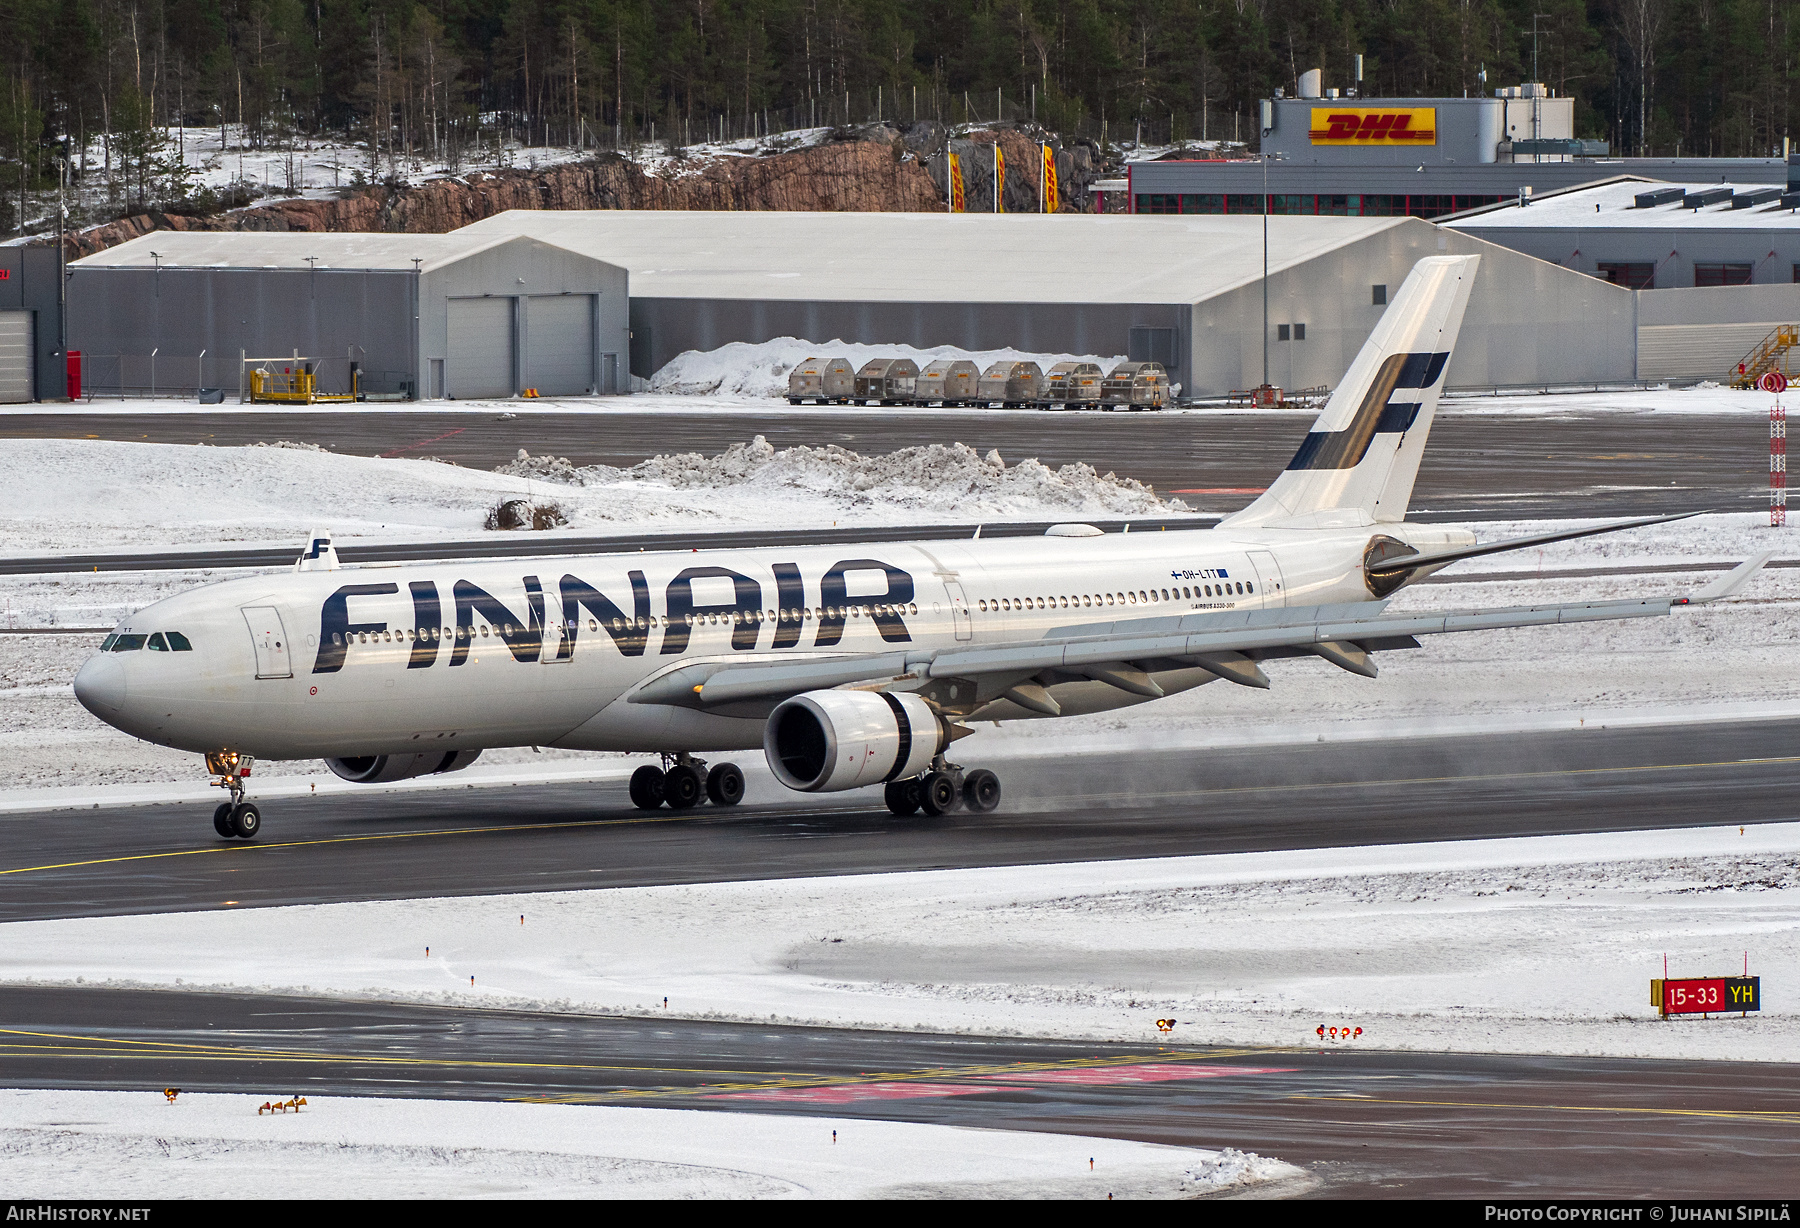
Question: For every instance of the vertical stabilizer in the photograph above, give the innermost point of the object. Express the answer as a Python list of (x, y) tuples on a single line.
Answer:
[(1357, 464)]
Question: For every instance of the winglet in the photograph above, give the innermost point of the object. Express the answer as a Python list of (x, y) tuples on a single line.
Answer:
[(320, 554), (1732, 582)]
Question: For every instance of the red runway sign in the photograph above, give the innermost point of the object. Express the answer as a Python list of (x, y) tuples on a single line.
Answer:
[(1716, 995)]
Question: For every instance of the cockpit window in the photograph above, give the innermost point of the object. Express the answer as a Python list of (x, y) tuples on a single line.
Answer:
[(107, 643), (179, 642), (157, 643), (128, 643)]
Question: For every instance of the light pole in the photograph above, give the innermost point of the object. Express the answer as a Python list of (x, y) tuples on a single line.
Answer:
[(1264, 155), (1266, 158), (62, 260)]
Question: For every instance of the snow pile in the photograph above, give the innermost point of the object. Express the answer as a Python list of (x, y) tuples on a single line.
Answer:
[(107, 1145), (1423, 946), (1233, 1167), (939, 477), (761, 369)]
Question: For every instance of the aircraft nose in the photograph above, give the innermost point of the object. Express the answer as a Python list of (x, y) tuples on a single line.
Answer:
[(100, 686)]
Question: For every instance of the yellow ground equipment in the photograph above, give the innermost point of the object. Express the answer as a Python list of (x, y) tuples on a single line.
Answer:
[(297, 383), (1769, 354)]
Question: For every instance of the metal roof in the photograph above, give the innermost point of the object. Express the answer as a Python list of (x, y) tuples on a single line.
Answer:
[(289, 250), (1613, 206), (1304, 176), (933, 257)]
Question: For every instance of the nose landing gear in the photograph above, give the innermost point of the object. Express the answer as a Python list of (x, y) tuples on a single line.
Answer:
[(236, 817), (683, 780)]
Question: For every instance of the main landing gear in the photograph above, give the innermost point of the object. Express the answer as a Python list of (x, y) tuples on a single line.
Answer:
[(682, 780), (236, 817), (943, 789)]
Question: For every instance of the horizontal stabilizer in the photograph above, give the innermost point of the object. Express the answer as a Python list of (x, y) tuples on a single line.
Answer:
[(1439, 558)]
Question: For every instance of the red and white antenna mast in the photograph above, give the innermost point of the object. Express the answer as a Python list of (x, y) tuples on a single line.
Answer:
[(1776, 383)]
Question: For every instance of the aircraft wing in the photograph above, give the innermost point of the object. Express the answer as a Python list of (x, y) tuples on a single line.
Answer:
[(1125, 652)]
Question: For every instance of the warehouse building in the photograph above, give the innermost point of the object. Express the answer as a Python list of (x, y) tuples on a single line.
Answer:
[(457, 316), (30, 355), (1331, 152), (1647, 236), (1185, 291), (1717, 266)]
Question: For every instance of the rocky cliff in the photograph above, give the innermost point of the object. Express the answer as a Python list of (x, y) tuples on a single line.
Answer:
[(869, 170)]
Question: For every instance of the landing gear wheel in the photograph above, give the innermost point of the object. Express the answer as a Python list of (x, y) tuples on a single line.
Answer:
[(246, 820), (904, 797), (937, 793), (725, 785), (981, 791), (222, 821), (647, 787), (682, 786)]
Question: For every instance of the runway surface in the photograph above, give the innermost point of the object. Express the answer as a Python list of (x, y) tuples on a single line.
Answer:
[(1478, 466), (1362, 1123), (1067, 807)]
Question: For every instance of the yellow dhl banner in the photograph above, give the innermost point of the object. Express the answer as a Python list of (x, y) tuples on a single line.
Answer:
[(999, 179), (1051, 200), (958, 203), (1374, 126)]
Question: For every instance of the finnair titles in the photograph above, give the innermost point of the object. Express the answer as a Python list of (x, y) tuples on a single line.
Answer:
[(849, 667)]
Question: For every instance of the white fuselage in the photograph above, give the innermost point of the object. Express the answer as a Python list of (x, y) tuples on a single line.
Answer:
[(381, 660)]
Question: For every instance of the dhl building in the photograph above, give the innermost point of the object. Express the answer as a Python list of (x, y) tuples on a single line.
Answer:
[(1347, 156)]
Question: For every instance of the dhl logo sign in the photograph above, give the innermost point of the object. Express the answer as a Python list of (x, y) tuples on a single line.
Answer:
[(1374, 126)]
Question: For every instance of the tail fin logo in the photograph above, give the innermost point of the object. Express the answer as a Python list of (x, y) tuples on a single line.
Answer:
[(1377, 415)]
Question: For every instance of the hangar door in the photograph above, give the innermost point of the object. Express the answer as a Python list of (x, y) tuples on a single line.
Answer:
[(559, 344), (480, 358), (1683, 351), (16, 383)]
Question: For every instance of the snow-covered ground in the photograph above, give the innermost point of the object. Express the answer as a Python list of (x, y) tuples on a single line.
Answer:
[(80, 494), (1704, 397), (1543, 945), (123, 1145)]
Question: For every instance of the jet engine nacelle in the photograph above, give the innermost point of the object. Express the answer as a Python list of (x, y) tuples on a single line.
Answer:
[(824, 741), (380, 769)]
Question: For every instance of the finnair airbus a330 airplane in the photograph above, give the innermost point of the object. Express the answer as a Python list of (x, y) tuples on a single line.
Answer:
[(849, 666)]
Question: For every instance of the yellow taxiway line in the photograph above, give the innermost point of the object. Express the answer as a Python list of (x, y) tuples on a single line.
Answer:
[(392, 835), (124, 1047)]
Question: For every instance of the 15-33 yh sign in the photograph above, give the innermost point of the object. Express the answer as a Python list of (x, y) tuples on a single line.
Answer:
[(1714, 995)]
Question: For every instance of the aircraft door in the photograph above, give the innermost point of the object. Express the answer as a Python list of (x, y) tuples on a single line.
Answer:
[(1268, 578), (559, 643), (270, 640), (959, 610)]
